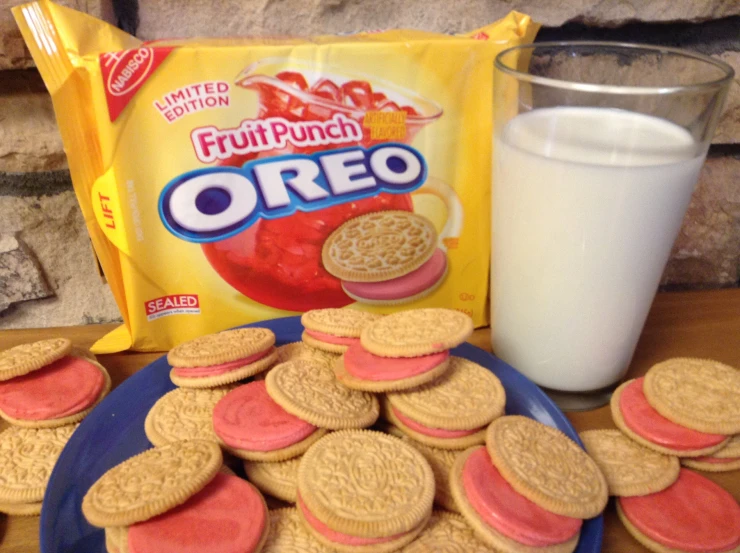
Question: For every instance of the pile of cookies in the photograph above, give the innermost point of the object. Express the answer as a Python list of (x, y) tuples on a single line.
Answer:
[(362, 426), (682, 412), (46, 389)]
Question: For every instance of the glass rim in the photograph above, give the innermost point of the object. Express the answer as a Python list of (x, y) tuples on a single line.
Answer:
[(728, 71)]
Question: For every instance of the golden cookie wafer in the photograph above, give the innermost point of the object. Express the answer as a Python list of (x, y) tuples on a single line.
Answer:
[(226, 378), (151, 483), (416, 332), (183, 414), (71, 419), (441, 461), (222, 347), (276, 455), (700, 394), (278, 479), (323, 346), (447, 532), (288, 534), (26, 358), (299, 350), (116, 539), (728, 457), (546, 467), (379, 246), (459, 443), (366, 484), (465, 397), (27, 457), (486, 532), (622, 425), (338, 322), (629, 468), (21, 509), (309, 390), (379, 386)]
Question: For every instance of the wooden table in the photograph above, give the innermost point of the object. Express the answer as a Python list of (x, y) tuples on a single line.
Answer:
[(696, 324)]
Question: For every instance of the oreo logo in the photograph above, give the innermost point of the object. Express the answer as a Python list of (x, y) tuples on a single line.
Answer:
[(211, 204)]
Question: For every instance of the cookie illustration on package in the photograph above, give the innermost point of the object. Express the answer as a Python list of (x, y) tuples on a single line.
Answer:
[(386, 258)]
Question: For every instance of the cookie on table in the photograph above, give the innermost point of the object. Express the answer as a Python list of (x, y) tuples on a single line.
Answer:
[(183, 414), (334, 330), (44, 385), (693, 514), (404, 350), (27, 457), (222, 358), (634, 416), (288, 533), (629, 468), (307, 389), (700, 394), (723, 460), (386, 258), (502, 517), (447, 532), (278, 479), (360, 490), (460, 404), (250, 425)]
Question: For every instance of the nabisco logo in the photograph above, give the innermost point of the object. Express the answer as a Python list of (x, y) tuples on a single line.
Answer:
[(129, 69)]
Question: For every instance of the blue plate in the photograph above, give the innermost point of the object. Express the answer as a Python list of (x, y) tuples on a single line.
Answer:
[(115, 431)]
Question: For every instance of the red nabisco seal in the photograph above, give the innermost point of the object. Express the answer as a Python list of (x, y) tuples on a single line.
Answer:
[(125, 72)]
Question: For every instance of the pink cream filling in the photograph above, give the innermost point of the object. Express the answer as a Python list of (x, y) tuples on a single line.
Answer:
[(509, 512), (364, 365), (646, 422), (221, 368), (715, 460), (332, 339), (432, 432), (694, 515), (63, 388), (338, 537), (228, 516), (247, 418), (405, 286)]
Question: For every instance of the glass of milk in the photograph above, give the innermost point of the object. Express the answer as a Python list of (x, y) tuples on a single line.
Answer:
[(597, 150)]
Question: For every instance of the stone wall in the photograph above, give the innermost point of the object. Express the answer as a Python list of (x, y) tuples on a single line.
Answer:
[(48, 274)]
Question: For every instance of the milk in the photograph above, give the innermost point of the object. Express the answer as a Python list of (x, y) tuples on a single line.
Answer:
[(586, 205)]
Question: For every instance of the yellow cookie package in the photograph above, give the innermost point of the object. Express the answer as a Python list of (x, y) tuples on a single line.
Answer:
[(227, 181)]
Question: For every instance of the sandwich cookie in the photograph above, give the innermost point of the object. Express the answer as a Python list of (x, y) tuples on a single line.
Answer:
[(451, 412), (278, 479), (694, 515), (386, 258), (308, 390), (222, 358), (403, 350), (183, 414), (723, 460), (60, 393), (634, 416), (250, 425), (288, 533), (700, 394), (447, 532), (26, 358), (629, 468), (334, 330), (501, 516), (364, 491), (27, 457)]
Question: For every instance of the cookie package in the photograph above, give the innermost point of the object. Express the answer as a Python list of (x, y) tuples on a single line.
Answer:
[(228, 181)]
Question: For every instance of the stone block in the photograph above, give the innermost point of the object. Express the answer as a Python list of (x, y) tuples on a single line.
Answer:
[(707, 250), (13, 51), (54, 230), (21, 278)]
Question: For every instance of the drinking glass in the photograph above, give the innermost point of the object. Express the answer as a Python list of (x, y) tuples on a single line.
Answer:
[(597, 150)]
